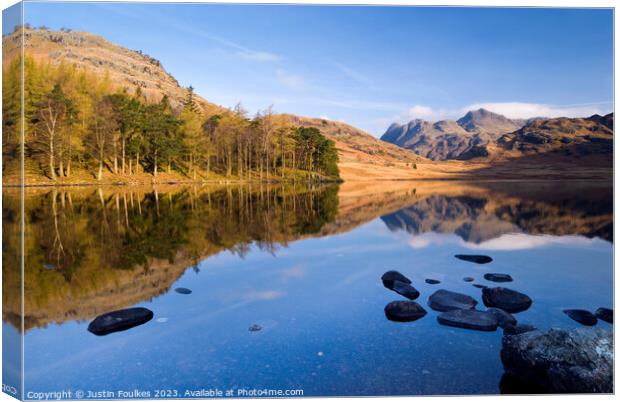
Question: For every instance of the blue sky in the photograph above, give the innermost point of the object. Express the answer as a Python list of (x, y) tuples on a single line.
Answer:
[(368, 66)]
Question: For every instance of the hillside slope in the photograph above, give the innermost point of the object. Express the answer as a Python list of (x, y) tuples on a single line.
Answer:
[(572, 137), (131, 69), (125, 68)]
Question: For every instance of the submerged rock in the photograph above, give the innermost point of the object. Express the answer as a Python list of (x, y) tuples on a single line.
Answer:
[(605, 314), (468, 279), (432, 281), (498, 277), (504, 318), (581, 316), (406, 290), (506, 299), (478, 259), (479, 286), (183, 291), (470, 319), (561, 361), (255, 328), (120, 320), (518, 329), (445, 300), (390, 277), (404, 311)]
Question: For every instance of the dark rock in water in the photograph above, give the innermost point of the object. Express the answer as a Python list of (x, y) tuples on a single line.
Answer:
[(504, 318), (432, 281), (468, 279), (605, 314), (498, 277), (470, 319), (582, 316), (479, 286), (255, 328), (406, 290), (561, 361), (445, 300), (120, 320), (404, 311), (390, 277), (506, 299), (478, 259), (183, 291), (518, 329)]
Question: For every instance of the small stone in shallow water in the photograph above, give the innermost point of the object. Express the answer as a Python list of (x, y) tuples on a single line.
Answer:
[(469, 319), (445, 300), (406, 290), (255, 328), (390, 277), (479, 286), (504, 318), (183, 291), (582, 316), (498, 277), (518, 329), (120, 320), (605, 314), (478, 259), (468, 279), (404, 311), (432, 281), (506, 299)]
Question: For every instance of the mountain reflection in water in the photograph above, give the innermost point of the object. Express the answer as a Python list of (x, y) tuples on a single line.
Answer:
[(93, 250)]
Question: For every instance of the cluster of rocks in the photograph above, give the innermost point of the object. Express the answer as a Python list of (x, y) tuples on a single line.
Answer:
[(457, 309), (556, 361), (122, 320), (585, 317)]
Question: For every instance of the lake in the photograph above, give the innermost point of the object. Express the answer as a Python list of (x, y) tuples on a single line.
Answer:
[(302, 264)]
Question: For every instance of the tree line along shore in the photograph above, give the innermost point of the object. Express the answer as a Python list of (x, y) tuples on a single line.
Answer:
[(78, 128)]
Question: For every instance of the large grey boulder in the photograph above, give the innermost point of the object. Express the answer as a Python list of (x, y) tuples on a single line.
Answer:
[(561, 361)]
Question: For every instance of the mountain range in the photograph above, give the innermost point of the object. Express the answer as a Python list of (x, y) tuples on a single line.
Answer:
[(482, 134), (480, 143)]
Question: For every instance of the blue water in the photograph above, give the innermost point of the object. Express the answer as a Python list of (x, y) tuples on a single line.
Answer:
[(320, 302)]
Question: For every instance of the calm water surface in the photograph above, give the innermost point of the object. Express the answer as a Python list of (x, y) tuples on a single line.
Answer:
[(305, 265)]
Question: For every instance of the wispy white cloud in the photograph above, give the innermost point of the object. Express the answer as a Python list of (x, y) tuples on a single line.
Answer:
[(290, 80), (514, 110), (421, 112), (521, 110), (258, 55), (353, 74)]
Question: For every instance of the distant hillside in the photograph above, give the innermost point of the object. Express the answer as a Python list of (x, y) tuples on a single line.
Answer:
[(462, 139), (562, 136), (355, 144)]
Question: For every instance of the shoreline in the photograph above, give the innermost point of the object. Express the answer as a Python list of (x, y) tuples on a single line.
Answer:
[(327, 182)]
